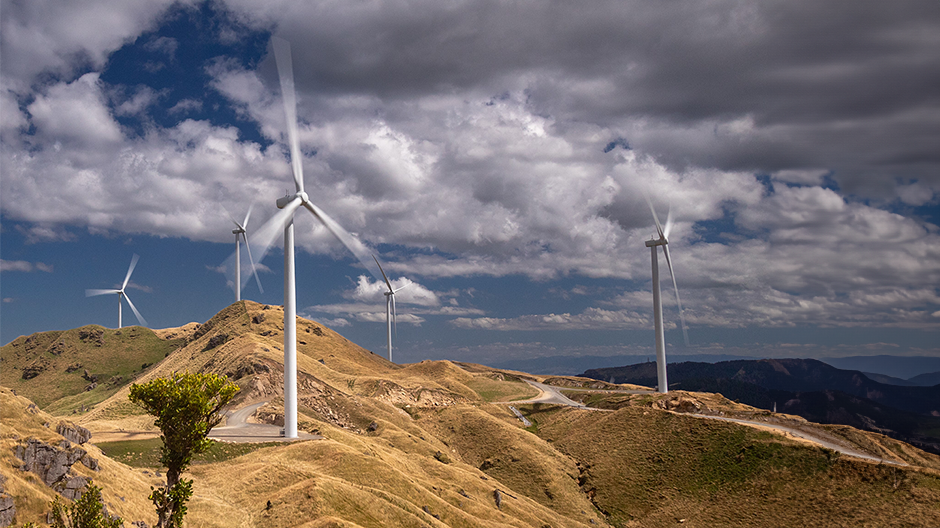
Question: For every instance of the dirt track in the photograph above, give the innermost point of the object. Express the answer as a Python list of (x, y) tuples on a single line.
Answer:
[(549, 394)]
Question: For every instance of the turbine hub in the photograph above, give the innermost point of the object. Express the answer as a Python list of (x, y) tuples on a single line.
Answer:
[(288, 198)]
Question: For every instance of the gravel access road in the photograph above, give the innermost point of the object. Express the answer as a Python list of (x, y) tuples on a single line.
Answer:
[(550, 394), (237, 429)]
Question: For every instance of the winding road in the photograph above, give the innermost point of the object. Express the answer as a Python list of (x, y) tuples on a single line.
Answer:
[(550, 394), (238, 430)]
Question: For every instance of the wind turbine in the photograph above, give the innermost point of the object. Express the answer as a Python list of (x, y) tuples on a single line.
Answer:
[(653, 243), (240, 232), (122, 294), (389, 307), (284, 219)]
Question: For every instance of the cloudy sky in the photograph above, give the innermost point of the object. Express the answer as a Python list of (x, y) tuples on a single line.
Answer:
[(494, 155)]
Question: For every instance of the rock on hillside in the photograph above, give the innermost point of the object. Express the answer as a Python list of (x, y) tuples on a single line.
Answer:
[(37, 463)]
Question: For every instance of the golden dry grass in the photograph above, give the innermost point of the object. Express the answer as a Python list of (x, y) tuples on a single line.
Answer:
[(654, 467), (418, 445), (124, 489)]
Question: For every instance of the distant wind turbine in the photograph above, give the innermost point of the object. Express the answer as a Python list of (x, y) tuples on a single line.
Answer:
[(122, 294), (653, 243), (390, 314), (241, 231), (264, 237)]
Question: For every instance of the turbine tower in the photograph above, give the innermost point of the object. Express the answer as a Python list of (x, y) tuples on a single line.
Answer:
[(390, 314), (241, 232), (663, 240), (284, 219), (122, 294)]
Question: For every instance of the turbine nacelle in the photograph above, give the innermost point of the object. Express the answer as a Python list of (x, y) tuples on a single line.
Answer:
[(654, 242), (286, 200)]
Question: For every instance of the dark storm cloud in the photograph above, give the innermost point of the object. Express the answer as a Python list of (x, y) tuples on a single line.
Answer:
[(759, 86)]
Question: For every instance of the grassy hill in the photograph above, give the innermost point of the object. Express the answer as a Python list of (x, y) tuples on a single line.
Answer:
[(808, 388), (125, 489), (62, 371), (428, 444)]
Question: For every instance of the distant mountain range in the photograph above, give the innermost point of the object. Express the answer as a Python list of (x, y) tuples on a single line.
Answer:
[(806, 387), (893, 370), (570, 365), (903, 367)]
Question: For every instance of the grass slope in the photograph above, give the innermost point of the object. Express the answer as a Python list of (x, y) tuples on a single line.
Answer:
[(57, 370), (647, 467), (420, 445), (124, 489)]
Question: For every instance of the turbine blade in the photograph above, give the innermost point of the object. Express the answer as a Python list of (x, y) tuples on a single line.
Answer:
[(396, 290), (92, 293), (264, 238), (230, 217), (675, 288), (659, 227), (250, 260), (394, 315), (285, 71), (668, 227), (360, 250), (244, 224), (140, 318), (384, 276), (130, 270)]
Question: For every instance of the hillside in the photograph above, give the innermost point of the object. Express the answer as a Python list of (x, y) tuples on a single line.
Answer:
[(125, 489), (808, 388), (426, 444), (929, 379), (794, 375), (65, 371)]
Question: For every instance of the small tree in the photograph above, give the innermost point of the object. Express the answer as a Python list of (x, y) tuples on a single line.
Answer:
[(187, 406), (86, 512)]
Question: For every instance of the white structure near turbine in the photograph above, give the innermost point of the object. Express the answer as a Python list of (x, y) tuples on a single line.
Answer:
[(122, 294), (241, 232), (390, 314), (284, 219), (662, 241)]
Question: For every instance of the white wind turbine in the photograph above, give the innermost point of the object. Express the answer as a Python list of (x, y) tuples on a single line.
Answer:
[(663, 241), (284, 219), (390, 314), (241, 232), (122, 294)]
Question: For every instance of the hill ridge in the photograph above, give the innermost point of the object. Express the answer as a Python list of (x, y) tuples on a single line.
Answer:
[(420, 444)]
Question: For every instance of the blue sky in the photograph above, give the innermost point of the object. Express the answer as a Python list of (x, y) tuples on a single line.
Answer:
[(495, 157)]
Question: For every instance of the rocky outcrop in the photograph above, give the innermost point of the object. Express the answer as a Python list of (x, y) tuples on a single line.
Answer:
[(681, 404), (54, 464), (37, 368), (73, 433), (7, 507), (92, 335), (215, 341), (395, 394)]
